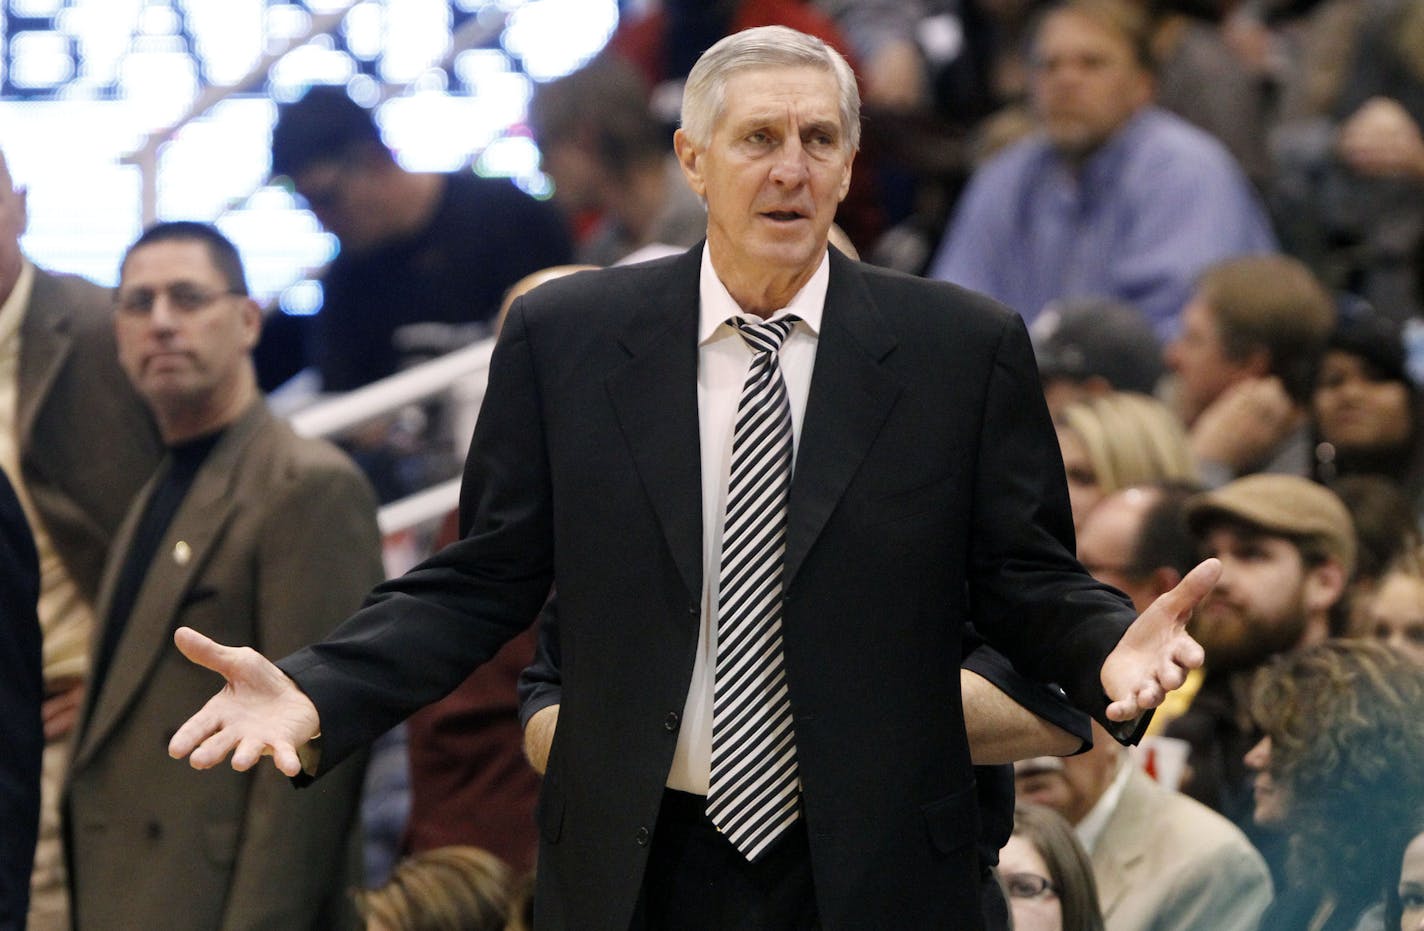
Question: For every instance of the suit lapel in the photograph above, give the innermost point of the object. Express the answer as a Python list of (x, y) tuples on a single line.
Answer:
[(1119, 852), (44, 347), (654, 396), (851, 395), (178, 563)]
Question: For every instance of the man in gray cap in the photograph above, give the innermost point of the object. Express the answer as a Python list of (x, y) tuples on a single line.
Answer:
[(1287, 549), (1092, 346)]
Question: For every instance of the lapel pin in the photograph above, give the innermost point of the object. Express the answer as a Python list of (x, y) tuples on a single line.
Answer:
[(182, 552)]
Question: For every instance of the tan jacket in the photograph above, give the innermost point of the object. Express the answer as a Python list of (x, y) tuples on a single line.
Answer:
[(1165, 862), (87, 443), (274, 545)]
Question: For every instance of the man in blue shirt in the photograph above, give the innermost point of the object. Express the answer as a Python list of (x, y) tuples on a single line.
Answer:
[(1113, 197)]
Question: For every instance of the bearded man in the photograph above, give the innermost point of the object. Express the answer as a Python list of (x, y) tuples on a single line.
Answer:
[(1287, 549)]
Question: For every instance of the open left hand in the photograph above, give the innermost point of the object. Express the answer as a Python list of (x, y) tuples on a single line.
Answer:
[(1156, 653)]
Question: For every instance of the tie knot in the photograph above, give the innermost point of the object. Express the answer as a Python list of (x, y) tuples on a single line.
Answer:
[(764, 335)]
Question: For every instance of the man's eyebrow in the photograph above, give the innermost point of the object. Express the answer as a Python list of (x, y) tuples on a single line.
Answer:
[(775, 118)]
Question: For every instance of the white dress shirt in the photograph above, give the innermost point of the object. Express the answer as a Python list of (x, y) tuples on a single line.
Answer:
[(1096, 820), (723, 359)]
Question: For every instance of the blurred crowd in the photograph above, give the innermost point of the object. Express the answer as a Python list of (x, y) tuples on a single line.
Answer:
[(1209, 214)]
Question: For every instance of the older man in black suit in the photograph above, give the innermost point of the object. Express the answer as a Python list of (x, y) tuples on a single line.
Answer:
[(761, 722)]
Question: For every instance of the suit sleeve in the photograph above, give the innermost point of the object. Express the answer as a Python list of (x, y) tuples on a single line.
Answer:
[(320, 552), (21, 690), (541, 684), (1038, 698), (421, 635), (1029, 596)]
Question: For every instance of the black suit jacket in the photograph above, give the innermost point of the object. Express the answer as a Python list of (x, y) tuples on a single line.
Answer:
[(21, 691), (928, 489)]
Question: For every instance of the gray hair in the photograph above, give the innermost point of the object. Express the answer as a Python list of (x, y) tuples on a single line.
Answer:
[(704, 95)]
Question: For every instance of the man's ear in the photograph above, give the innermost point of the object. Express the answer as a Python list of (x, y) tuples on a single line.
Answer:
[(845, 181), (1257, 362), (1324, 585), (251, 323), (689, 156), (1164, 579)]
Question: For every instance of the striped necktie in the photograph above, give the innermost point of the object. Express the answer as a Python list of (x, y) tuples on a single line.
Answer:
[(752, 794)]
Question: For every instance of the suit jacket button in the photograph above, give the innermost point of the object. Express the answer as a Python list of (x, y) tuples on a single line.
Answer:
[(671, 721), (642, 837), (153, 830)]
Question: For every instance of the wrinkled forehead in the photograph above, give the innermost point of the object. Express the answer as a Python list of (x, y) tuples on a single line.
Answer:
[(771, 91)]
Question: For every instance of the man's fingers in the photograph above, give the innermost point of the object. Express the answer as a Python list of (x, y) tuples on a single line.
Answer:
[(1171, 677), (286, 759), (214, 749), (1188, 654), (205, 651), (194, 731), (247, 753), (1124, 710), (1197, 584)]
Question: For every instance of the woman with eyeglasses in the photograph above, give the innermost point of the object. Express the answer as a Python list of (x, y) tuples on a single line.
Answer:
[(1404, 909), (1047, 876)]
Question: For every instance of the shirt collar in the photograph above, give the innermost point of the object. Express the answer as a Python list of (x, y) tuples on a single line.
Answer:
[(12, 312), (1104, 167), (1091, 828), (717, 304)]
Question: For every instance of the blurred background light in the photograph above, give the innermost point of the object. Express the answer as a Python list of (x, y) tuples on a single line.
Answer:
[(89, 90)]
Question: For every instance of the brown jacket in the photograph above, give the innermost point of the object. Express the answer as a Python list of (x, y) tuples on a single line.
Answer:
[(274, 544)]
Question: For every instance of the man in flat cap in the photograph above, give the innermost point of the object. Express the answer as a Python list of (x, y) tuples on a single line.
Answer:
[(1287, 550)]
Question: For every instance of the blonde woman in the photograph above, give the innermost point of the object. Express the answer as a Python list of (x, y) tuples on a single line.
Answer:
[(457, 888), (1117, 440)]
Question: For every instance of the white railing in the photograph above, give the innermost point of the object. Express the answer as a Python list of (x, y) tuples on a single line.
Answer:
[(459, 377)]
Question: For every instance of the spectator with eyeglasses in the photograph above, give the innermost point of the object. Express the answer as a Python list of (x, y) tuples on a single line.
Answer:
[(1047, 875), (246, 531)]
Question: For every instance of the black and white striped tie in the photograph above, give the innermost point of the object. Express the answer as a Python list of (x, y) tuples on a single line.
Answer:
[(752, 795)]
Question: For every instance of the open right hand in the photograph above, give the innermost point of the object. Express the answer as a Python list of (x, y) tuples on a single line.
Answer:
[(259, 712)]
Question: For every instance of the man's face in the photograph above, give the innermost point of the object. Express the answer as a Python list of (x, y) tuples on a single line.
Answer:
[(345, 195), (1199, 359), (1073, 785), (1106, 541), (183, 338), (775, 170), (12, 227), (1086, 82), (578, 177), (1261, 605)]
